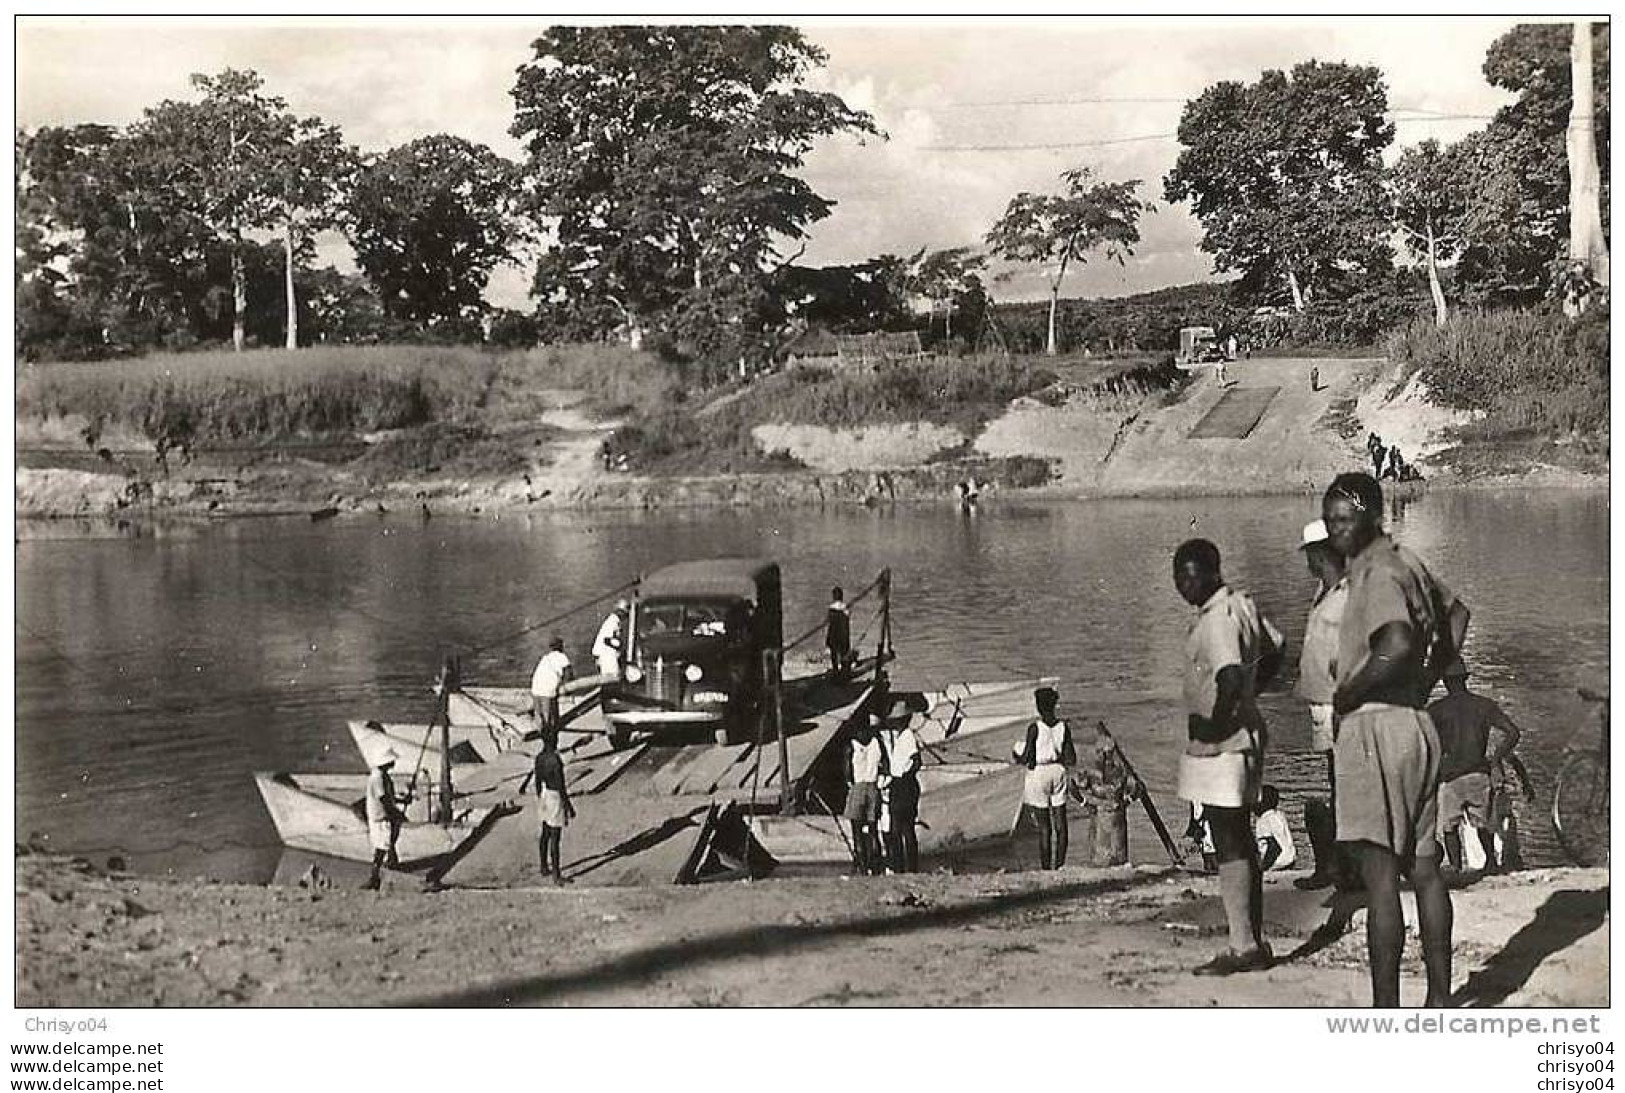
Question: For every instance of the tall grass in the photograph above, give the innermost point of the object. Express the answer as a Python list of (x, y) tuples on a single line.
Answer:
[(1534, 371), (323, 392), (963, 391)]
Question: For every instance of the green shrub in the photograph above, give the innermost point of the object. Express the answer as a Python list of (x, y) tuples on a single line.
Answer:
[(1534, 371)]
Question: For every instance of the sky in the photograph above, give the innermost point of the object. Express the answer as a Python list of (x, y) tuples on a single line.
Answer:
[(974, 113)]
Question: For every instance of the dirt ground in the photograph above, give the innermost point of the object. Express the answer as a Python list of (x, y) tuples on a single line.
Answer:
[(1124, 937), (1096, 445)]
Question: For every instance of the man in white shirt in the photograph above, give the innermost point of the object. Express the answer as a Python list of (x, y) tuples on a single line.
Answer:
[(607, 646), (1048, 754), (901, 789), (547, 681), (866, 762), (384, 818)]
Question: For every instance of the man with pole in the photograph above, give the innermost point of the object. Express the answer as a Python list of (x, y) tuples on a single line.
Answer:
[(384, 818)]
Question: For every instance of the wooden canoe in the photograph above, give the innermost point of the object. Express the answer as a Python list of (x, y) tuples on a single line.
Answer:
[(326, 814)]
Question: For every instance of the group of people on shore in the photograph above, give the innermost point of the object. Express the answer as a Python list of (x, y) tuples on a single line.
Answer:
[(1388, 462), (1403, 775)]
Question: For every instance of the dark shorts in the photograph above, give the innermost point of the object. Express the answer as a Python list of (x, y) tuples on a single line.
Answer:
[(904, 801), (863, 803)]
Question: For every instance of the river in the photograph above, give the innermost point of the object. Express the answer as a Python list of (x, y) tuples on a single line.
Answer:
[(158, 666)]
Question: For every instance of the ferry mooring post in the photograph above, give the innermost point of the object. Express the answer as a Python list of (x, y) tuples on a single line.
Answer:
[(883, 650), (773, 709), (447, 682)]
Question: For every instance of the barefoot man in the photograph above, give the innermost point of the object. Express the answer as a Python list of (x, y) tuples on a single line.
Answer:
[(1401, 628), (1231, 651)]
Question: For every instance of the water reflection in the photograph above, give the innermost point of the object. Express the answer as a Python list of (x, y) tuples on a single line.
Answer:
[(155, 672)]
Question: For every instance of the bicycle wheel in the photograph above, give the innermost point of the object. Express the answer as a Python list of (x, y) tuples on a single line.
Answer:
[(1580, 809)]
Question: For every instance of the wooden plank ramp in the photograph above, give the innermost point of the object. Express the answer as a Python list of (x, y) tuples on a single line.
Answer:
[(1235, 415)]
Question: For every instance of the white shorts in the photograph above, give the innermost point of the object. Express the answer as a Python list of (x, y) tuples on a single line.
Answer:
[(1320, 731), (1045, 786), (1229, 780), (378, 834), (550, 809)]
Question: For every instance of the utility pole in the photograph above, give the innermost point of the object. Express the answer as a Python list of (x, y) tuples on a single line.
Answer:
[(447, 683), (1586, 244)]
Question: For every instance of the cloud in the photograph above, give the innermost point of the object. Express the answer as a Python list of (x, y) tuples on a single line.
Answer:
[(947, 95)]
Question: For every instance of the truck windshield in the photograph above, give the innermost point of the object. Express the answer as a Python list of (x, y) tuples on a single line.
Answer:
[(700, 620)]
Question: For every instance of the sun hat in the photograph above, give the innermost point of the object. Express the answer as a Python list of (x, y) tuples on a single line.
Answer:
[(1314, 532)]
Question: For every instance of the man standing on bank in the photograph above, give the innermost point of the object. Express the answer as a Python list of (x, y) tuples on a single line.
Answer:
[(1049, 756), (384, 818), (1401, 628), (1232, 650), (1317, 682)]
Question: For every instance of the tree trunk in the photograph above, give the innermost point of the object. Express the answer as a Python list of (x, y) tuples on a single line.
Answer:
[(1586, 243), (287, 284), (948, 323), (1050, 346), (1297, 290), (239, 296), (1440, 313)]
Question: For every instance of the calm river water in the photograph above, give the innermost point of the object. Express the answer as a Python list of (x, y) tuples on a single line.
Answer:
[(156, 669)]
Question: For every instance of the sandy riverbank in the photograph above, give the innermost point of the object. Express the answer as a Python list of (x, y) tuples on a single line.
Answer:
[(1076, 937), (1079, 446)]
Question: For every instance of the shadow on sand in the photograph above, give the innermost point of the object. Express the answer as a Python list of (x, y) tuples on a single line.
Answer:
[(758, 941), (1563, 919)]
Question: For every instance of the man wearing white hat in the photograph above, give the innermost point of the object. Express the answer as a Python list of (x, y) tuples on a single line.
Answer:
[(1317, 683), (607, 646), (384, 817)]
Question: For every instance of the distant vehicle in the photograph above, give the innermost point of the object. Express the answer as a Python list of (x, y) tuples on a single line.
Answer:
[(1199, 345), (698, 631)]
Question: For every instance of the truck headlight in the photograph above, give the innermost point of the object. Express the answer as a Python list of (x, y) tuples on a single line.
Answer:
[(633, 673), (693, 674)]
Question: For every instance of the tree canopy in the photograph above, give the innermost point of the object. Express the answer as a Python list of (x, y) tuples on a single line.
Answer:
[(1061, 229), (429, 221), (661, 161), (1516, 168), (1286, 177)]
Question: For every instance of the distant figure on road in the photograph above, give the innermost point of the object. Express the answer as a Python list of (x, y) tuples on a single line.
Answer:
[(546, 683), (1047, 753)]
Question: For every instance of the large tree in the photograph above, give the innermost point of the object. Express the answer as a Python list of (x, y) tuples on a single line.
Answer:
[(1286, 177), (1430, 198), (943, 277), (1059, 230), (429, 222), (236, 163), (1518, 169), (98, 227), (661, 159)]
